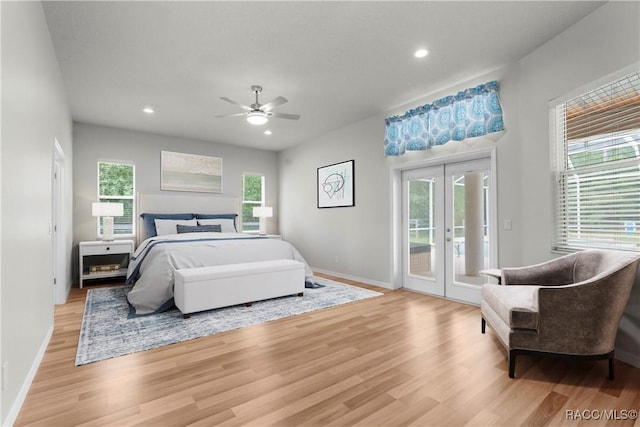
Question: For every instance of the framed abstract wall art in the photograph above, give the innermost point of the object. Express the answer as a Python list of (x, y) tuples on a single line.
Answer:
[(336, 185), (190, 172)]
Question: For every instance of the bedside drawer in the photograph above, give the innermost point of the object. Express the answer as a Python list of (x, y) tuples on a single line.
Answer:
[(107, 249)]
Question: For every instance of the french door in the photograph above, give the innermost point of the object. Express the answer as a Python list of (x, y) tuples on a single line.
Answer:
[(447, 229)]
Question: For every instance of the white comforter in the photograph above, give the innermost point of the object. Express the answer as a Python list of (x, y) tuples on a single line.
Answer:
[(157, 258)]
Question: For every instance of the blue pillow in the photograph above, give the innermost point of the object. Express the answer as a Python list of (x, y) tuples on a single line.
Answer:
[(216, 228), (150, 225), (216, 216)]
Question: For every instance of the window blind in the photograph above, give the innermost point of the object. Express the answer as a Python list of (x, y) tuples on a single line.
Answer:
[(598, 168)]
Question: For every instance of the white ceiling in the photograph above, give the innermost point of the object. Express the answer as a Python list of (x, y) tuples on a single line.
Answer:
[(336, 62)]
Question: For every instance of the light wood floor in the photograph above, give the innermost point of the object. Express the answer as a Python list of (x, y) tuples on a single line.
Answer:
[(396, 360)]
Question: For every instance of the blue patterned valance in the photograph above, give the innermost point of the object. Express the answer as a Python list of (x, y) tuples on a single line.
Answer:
[(470, 113)]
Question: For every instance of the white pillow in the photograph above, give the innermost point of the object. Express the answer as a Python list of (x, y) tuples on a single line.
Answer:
[(227, 225), (169, 226)]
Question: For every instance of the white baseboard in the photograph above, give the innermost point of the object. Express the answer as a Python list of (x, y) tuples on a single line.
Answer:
[(357, 279), (630, 358), (22, 395)]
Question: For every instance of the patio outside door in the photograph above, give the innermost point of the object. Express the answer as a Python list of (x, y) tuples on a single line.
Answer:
[(446, 229)]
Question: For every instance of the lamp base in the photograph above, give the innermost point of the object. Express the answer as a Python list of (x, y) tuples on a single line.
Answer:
[(107, 228), (263, 226)]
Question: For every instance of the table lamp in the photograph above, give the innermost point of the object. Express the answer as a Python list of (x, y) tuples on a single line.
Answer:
[(107, 211), (263, 212)]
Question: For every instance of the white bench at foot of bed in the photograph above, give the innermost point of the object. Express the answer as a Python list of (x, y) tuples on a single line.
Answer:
[(206, 288)]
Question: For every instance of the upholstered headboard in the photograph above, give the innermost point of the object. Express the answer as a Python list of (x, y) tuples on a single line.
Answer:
[(167, 203)]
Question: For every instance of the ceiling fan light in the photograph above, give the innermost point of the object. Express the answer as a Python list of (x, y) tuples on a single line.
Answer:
[(257, 118)]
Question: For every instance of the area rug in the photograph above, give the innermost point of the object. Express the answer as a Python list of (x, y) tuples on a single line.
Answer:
[(106, 331)]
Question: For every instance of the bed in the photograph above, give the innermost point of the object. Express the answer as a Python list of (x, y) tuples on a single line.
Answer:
[(207, 237)]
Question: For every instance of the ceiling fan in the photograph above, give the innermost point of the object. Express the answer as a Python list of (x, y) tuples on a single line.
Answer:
[(258, 114)]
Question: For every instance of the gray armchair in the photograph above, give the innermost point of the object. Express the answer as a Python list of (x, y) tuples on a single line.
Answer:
[(568, 307)]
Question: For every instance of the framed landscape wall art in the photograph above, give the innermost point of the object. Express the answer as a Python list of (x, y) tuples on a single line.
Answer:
[(190, 172), (336, 185)]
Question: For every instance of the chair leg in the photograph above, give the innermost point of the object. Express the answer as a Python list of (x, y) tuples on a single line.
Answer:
[(611, 371), (512, 353), (512, 364), (484, 325)]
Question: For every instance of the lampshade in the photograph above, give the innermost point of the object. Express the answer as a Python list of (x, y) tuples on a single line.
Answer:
[(107, 209), (263, 212), (257, 117)]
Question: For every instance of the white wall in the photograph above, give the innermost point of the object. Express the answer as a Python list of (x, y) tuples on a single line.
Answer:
[(360, 237), (351, 240), (34, 112), (604, 42), (357, 241), (93, 143)]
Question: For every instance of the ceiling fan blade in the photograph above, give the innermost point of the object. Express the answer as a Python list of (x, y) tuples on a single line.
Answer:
[(231, 115), (273, 103), (244, 107), (284, 116)]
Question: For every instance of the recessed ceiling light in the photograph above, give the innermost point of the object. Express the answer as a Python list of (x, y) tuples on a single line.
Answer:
[(267, 132), (148, 109), (421, 53)]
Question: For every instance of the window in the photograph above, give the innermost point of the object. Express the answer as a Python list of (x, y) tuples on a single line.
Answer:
[(116, 184), (252, 196), (597, 165)]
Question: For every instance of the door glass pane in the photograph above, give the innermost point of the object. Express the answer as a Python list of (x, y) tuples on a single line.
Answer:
[(421, 227), (470, 226)]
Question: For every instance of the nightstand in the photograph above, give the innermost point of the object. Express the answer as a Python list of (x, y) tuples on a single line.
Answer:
[(101, 259)]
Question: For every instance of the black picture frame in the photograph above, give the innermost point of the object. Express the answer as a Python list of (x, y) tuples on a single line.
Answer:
[(336, 185)]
